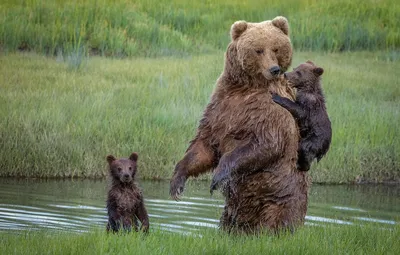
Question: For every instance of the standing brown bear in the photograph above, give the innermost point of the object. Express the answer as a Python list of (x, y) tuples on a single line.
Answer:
[(125, 203), (249, 140), (310, 112)]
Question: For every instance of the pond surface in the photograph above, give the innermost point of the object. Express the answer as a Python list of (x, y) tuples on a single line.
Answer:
[(78, 206)]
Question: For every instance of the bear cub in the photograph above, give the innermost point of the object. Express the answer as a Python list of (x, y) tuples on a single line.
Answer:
[(125, 205), (309, 110)]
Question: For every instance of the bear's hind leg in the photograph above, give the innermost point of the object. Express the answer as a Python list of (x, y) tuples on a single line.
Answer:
[(307, 153), (113, 225), (127, 224)]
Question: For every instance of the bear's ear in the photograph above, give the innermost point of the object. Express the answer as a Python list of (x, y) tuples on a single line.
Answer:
[(318, 71), (281, 23), (238, 28), (134, 156), (110, 159), (310, 62)]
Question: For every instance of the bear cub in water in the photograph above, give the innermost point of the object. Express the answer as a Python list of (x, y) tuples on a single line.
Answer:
[(309, 110), (125, 204)]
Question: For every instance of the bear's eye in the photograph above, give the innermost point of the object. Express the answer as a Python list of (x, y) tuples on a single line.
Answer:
[(130, 168), (298, 73), (260, 51), (275, 50), (119, 169)]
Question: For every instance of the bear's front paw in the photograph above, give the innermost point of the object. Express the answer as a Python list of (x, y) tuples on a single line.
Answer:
[(219, 178), (177, 186)]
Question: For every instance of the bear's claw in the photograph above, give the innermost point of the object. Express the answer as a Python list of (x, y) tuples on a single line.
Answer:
[(213, 187), (218, 179), (176, 188)]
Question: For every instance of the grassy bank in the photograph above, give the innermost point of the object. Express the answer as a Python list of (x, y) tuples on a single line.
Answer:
[(307, 240), (59, 122), (178, 27)]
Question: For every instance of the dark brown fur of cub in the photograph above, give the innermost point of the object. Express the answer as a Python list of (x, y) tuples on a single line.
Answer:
[(125, 205), (310, 112)]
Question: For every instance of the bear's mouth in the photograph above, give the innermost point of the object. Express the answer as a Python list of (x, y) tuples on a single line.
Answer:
[(269, 77), (126, 179)]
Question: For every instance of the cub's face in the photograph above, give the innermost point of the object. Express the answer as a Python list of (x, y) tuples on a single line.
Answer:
[(305, 76), (263, 49), (123, 169)]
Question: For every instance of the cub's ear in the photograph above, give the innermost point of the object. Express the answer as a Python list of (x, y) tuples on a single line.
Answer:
[(318, 71), (310, 62), (110, 159), (134, 156), (281, 23), (238, 28)]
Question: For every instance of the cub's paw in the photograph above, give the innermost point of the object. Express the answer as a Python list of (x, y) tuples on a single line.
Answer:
[(177, 185), (276, 98)]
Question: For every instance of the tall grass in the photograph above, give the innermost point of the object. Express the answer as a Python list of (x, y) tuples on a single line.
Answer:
[(100, 27), (307, 240), (179, 27), (58, 122)]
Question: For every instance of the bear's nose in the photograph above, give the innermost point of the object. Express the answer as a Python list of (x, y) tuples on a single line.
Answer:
[(274, 70), (126, 176)]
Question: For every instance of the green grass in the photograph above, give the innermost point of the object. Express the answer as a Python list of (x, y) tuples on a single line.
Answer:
[(60, 122), (179, 27), (307, 240)]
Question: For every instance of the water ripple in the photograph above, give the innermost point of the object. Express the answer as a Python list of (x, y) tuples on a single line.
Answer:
[(80, 206), (327, 220)]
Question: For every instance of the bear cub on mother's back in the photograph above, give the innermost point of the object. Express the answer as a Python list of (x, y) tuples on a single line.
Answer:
[(125, 204), (310, 112)]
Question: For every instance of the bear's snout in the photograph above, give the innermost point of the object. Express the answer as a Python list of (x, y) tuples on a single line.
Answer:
[(275, 70), (126, 177)]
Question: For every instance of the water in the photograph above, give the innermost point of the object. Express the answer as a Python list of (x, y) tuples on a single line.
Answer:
[(78, 206)]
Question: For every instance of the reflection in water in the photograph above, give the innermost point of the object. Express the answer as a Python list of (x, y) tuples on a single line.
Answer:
[(78, 206)]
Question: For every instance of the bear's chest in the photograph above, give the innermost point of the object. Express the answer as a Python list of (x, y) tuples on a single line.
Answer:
[(235, 119), (239, 114), (126, 200)]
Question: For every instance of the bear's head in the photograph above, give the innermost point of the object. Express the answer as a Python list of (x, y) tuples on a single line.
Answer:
[(304, 77), (263, 50), (123, 169)]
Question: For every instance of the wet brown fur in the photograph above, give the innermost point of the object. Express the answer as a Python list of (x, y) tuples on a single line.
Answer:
[(249, 141), (125, 203)]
